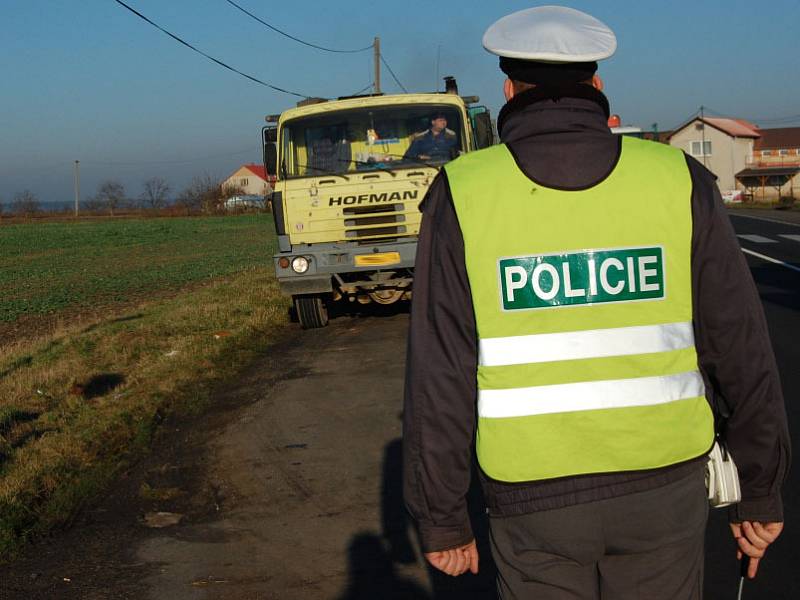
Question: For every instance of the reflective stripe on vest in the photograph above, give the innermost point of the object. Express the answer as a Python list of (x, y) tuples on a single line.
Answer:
[(570, 345), (583, 310), (589, 395)]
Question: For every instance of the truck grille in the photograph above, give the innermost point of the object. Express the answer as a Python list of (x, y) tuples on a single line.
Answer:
[(359, 216)]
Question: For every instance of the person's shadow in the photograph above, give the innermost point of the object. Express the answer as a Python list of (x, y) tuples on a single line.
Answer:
[(372, 573), (398, 530)]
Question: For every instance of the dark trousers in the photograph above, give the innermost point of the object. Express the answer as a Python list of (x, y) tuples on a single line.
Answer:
[(647, 545)]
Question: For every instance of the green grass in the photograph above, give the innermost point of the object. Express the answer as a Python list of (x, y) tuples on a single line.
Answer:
[(81, 400), (49, 267)]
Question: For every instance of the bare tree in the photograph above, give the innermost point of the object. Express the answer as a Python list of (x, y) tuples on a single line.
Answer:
[(25, 203), (91, 205), (156, 190), (203, 193), (110, 195), (229, 191)]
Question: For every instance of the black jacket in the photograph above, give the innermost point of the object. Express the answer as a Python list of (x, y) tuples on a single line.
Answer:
[(566, 143)]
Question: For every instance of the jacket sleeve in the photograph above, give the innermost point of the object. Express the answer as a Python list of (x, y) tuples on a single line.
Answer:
[(415, 149), (736, 357), (440, 384)]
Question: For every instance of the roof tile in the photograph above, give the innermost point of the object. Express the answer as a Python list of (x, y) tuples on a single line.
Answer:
[(779, 137), (258, 170), (733, 127)]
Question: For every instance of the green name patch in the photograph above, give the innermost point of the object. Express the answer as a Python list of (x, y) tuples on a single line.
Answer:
[(587, 277)]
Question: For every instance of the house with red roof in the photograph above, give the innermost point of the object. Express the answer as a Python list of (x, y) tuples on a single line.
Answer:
[(774, 168), (251, 179), (723, 145), (778, 147), (763, 162)]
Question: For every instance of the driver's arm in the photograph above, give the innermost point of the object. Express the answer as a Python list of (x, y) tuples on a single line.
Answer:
[(413, 150), (417, 147)]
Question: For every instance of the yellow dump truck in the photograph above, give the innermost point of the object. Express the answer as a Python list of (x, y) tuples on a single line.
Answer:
[(350, 176)]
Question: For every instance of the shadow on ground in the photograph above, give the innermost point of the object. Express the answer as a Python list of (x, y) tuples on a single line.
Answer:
[(779, 285), (375, 561), (356, 310), (99, 385)]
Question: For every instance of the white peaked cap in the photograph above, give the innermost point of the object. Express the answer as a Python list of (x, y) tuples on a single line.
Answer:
[(555, 34)]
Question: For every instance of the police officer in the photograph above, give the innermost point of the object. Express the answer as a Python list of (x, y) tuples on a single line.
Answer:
[(580, 307)]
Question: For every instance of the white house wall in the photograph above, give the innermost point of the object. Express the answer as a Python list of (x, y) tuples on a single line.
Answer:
[(248, 182), (728, 154)]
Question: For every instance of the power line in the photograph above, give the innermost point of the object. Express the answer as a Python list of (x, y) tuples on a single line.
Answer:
[(778, 120), (707, 109), (291, 37), (211, 58), (684, 121), (166, 162), (718, 113), (362, 90), (383, 60), (69, 163)]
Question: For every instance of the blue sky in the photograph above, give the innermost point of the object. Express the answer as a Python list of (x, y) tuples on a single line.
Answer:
[(90, 81)]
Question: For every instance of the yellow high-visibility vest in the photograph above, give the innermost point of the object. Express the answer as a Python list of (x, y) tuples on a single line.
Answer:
[(583, 307)]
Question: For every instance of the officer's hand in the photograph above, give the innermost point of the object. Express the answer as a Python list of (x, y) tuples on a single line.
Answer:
[(753, 538), (456, 561)]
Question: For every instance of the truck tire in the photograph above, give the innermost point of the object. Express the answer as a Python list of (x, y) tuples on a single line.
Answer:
[(311, 311)]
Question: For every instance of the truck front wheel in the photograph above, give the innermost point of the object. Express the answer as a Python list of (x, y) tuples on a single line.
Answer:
[(311, 311)]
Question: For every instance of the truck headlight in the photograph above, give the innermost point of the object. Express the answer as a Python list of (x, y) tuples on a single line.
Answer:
[(299, 264)]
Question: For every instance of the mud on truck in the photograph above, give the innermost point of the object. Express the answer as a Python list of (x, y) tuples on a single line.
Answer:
[(351, 174)]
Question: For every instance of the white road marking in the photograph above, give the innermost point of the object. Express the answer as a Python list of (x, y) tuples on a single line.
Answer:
[(765, 219), (790, 236), (770, 259), (757, 239)]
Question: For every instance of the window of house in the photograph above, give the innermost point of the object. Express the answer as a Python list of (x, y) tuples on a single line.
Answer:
[(766, 153), (243, 182), (701, 148), (783, 152)]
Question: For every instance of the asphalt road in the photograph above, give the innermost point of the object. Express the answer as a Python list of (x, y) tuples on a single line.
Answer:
[(766, 237), (290, 488)]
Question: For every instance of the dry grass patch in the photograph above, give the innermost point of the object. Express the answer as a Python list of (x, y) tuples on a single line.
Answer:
[(77, 405)]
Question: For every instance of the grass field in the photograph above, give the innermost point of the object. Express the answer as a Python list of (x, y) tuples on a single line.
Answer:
[(188, 303), (47, 267)]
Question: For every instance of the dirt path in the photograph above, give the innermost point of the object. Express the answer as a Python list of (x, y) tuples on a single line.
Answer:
[(289, 489)]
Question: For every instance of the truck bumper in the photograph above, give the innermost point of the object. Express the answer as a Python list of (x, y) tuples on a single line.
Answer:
[(329, 260), (305, 285)]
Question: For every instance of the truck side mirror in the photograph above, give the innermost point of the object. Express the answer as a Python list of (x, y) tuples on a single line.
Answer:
[(483, 130), (270, 137), (271, 158)]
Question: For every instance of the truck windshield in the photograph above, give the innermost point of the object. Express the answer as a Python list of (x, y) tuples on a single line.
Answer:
[(365, 139)]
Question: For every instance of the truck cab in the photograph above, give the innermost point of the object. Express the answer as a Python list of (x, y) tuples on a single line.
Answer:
[(350, 176)]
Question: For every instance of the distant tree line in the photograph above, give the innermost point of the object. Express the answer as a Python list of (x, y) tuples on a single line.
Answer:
[(204, 194), (24, 203)]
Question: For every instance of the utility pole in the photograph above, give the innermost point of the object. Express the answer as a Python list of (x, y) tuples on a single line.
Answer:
[(438, 57), (703, 129), (77, 185), (376, 46)]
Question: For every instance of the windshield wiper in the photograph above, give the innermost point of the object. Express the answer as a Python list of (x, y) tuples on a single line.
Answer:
[(374, 166), (325, 171), (417, 161)]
